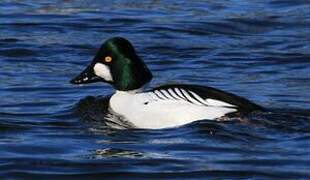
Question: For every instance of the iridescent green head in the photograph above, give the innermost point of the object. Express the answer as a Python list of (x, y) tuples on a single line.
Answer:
[(116, 63)]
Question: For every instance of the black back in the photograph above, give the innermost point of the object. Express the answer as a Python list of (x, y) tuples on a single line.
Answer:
[(243, 105)]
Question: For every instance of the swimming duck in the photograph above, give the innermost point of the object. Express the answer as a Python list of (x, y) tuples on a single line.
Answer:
[(118, 64)]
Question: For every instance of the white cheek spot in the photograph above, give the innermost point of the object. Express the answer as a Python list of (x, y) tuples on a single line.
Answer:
[(103, 71)]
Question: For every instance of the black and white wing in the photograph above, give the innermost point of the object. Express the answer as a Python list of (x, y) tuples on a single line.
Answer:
[(205, 96)]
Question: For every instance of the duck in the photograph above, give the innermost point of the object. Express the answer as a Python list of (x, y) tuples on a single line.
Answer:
[(166, 106)]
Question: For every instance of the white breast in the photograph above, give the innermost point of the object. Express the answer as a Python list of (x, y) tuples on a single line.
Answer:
[(159, 109)]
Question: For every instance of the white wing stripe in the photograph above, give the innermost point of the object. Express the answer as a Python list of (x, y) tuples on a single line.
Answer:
[(158, 94), (199, 98), (177, 90), (154, 96), (213, 102), (166, 94), (172, 93), (190, 98)]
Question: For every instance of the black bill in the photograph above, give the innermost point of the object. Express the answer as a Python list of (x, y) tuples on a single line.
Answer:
[(87, 76)]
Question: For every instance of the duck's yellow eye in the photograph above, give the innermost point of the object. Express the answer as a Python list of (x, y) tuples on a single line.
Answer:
[(108, 59)]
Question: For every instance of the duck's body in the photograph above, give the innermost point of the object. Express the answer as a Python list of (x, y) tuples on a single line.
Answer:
[(176, 105), (162, 107)]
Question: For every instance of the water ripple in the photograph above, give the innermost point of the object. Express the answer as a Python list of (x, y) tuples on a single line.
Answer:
[(256, 49)]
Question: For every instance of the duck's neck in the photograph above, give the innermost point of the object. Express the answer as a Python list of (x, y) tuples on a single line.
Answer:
[(134, 91)]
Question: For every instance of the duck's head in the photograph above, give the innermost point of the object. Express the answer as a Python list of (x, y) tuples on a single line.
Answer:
[(116, 63)]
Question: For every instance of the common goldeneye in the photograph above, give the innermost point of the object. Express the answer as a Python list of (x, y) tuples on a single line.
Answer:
[(117, 63)]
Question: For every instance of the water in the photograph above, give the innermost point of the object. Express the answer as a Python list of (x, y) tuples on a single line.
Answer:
[(256, 49)]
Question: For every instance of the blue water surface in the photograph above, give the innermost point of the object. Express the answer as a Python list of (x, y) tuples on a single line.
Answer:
[(256, 49)]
